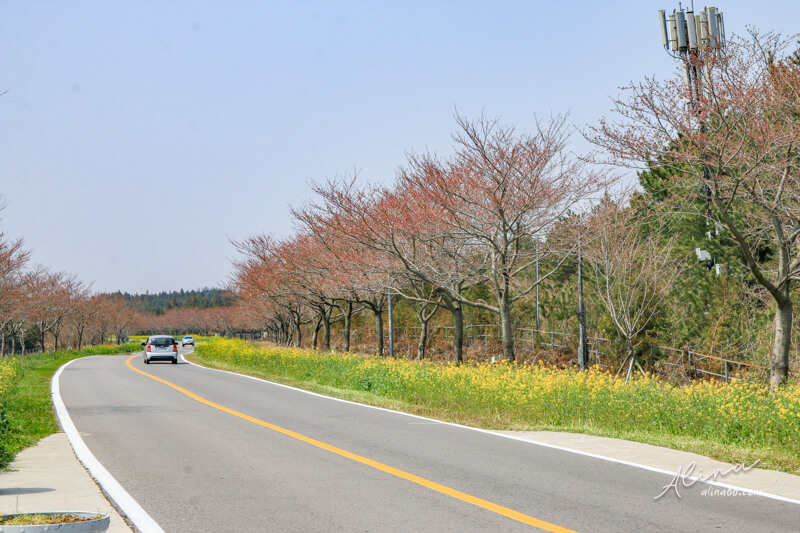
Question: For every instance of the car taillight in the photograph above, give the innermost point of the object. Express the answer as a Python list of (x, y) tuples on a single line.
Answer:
[(174, 347), (148, 347)]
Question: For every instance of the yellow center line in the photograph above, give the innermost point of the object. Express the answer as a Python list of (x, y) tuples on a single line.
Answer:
[(499, 509)]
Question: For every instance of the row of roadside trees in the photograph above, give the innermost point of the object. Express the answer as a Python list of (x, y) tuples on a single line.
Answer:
[(508, 212), (41, 308), (227, 320)]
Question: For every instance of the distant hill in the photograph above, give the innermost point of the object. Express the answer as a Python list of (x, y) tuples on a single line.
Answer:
[(164, 301)]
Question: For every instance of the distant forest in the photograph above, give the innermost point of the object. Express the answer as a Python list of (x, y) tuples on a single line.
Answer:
[(164, 301)]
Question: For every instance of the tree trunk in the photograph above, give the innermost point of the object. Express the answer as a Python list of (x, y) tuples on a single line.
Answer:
[(288, 334), (348, 316), (315, 336), (378, 332), (423, 339), (507, 331), (458, 332), (326, 331), (628, 360), (297, 327), (779, 365)]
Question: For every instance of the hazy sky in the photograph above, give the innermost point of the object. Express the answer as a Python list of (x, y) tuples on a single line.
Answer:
[(137, 137)]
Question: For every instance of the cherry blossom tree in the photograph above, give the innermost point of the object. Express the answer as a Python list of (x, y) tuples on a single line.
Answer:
[(13, 258), (262, 278), (360, 274), (474, 217), (48, 298), (634, 268), (498, 196), (312, 274), (407, 231), (81, 310), (112, 317)]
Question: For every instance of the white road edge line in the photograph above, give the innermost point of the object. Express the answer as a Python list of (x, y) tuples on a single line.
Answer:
[(538, 443), (124, 501)]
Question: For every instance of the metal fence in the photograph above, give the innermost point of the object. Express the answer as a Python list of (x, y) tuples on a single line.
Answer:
[(697, 364), (563, 341), (700, 364), (480, 332), (525, 339)]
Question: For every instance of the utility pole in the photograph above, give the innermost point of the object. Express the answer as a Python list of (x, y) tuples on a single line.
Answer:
[(537, 287), (583, 352), (687, 37), (391, 327)]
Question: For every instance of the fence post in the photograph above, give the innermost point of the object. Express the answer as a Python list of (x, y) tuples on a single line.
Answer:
[(689, 358), (596, 351), (725, 362)]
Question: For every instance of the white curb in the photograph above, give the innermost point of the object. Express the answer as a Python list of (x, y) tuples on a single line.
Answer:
[(124, 501)]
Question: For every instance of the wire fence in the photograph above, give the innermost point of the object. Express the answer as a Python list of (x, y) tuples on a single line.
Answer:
[(700, 364), (695, 364), (559, 340), (484, 342)]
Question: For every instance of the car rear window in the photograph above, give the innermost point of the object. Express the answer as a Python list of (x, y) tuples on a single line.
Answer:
[(163, 342)]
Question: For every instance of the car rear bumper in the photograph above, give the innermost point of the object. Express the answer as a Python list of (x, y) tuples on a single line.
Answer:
[(161, 356)]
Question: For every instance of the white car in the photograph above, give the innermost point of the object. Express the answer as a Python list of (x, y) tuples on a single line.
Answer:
[(160, 347), (188, 339)]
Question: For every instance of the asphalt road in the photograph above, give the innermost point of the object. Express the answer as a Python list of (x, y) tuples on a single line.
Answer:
[(303, 462)]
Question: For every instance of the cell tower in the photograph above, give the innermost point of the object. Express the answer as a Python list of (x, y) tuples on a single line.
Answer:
[(689, 37), (685, 35)]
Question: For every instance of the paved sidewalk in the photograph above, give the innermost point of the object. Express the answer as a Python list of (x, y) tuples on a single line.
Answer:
[(49, 477)]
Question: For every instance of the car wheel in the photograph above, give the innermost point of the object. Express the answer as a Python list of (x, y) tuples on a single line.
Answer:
[(174, 360), (146, 361)]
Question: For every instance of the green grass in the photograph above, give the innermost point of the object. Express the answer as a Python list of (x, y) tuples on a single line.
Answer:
[(27, 410), (736, 423)]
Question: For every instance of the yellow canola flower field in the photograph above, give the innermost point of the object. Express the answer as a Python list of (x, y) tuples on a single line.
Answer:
[(8, 373), (513, 396)]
